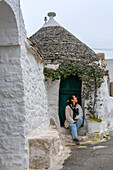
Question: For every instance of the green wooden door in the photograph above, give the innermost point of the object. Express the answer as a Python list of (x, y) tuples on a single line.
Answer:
[(69, 86)]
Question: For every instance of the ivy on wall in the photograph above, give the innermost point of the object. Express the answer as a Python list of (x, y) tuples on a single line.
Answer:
[(91, 75)]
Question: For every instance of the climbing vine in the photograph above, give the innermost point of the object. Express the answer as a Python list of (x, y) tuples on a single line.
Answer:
[(91, 75)]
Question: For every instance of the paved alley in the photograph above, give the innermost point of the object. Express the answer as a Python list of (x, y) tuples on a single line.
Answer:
[(91, 157)]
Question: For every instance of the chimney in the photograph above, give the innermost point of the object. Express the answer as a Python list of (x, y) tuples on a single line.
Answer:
[(102, 55)]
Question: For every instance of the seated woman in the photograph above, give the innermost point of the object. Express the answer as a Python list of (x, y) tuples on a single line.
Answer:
[(74, 117)]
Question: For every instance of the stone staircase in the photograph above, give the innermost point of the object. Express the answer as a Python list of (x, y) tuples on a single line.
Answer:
[(49, 150)]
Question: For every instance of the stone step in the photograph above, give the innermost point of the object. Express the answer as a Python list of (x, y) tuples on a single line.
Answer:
[(88, 138), (44, 150)]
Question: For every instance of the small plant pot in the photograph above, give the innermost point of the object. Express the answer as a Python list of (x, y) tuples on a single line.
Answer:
[(93, 126)]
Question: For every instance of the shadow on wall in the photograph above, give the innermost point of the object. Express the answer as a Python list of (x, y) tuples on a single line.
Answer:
[(8, 28), (52, 122)]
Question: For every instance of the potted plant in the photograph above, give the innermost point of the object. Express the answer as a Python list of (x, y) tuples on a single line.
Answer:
[(94, 124)]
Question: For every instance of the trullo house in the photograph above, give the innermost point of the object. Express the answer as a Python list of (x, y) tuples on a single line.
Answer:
[(28, 101), (71, 67)]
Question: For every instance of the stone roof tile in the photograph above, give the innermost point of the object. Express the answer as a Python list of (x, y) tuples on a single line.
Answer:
[(55, 43)]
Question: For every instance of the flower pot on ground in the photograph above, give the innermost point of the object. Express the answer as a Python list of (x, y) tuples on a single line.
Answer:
[(93, 126)]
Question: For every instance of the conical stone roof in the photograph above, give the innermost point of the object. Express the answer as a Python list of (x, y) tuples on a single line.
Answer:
[(57, 44)]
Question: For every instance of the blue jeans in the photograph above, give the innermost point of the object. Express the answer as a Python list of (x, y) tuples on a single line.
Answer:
[(74, 127)]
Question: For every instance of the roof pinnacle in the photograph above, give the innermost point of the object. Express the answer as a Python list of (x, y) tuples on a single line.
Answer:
[(51, 21), (51, 14)]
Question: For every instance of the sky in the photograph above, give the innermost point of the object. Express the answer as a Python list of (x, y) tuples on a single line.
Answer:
[(91, 21)]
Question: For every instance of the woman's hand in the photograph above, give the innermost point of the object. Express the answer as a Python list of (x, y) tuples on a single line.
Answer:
[(75, 121)]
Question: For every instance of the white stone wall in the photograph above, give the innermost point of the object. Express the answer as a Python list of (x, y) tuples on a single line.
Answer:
[(13, 154), (23, 101), (53, 100), (105, 107), (36, 105), (8, 28), (109, 66), (15, 8), (12, 117)]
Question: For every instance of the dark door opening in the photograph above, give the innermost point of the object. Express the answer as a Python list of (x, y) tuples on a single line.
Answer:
[(69, 86)]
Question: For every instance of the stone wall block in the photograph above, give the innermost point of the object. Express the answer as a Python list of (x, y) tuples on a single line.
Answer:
[(39, 151), (45, 149)]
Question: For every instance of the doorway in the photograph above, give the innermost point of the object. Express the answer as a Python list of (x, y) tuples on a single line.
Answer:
[(69, 86)]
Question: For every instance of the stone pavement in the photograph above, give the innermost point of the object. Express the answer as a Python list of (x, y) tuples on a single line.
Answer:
[(91, 156)]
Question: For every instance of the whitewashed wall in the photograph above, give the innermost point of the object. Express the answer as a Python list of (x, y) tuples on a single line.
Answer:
[(105, 107), (53, 100), (109, 66), (12, 115), (36, 106), (23, 102), (8, 26)]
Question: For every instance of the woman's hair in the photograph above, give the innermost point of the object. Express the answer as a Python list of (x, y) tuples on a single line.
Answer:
[(69, 99)]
